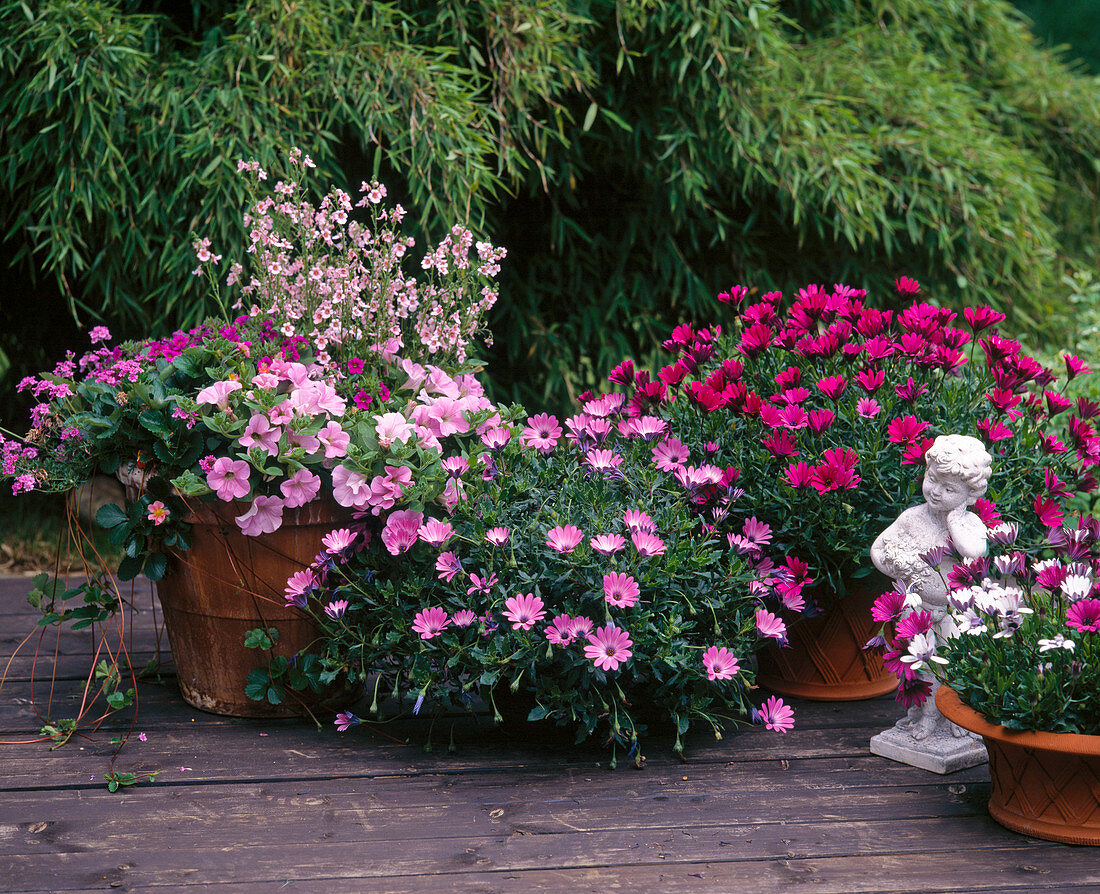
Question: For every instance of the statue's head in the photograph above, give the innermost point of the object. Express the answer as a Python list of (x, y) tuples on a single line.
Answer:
[(961, 459)]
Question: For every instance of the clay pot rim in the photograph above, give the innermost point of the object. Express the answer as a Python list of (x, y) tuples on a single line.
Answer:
[(953, 708)]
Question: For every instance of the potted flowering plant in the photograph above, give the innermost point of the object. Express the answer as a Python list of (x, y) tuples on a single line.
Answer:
[(1023, 670), (567, 563), (242, 442), (825, 404)]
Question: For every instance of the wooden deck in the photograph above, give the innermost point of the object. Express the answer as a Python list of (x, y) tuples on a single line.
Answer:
[(246, 806)]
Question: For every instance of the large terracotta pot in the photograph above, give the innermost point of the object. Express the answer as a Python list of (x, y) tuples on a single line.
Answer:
[(1043, 784), (825, 659), (228, 584)]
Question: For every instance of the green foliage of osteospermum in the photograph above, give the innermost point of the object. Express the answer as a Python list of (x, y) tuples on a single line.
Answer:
[(633, 157)]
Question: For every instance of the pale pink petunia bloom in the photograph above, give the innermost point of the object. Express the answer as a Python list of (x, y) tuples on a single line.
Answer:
[(608, 647), (768, 624), (218, 393), (606, 544), (524, 610), (300, 488), (430, 622), (564, 538), (337, 541), (264, 516), (158, 512), (335, 440), (400, 532), (229, 478), (464, 618), (435, 532), (261, 433), (497, 536), (776, 715), (720, 663), (636, 520), (392, 427), (620, 590), (350, 488), (648, 544)]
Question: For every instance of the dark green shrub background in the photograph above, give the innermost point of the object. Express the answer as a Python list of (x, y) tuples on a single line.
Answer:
[(634, 156)]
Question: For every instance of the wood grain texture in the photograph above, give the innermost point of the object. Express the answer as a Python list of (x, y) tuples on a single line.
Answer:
[(249, 806)]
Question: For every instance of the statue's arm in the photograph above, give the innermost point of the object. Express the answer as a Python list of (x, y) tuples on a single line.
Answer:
[(967, 533)]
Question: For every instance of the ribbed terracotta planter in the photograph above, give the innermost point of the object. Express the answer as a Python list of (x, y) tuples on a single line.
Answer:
[(228, 584), (1043, 784), (825, 660)]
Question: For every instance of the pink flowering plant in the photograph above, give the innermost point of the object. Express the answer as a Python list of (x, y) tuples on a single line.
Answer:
[(1026, 619), (827, 405), (567, 564)]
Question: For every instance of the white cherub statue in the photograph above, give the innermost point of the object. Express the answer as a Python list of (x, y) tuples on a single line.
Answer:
[(957, 474)]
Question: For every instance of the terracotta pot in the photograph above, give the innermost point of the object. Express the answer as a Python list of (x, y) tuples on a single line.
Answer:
[(825, 660), (1043, 784), (228, 584)]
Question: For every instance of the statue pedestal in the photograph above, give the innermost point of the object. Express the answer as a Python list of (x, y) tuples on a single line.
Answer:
[(942, 752)]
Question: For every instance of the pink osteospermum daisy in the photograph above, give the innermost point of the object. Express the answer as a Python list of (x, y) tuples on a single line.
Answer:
[(581, 626), (720, 663), (447, 566), (606, 544), (560, 631), (648, 544), (670, 454), (636, 520), (430, 622), (435, 532), (524, 610), (1084, 616), (770, 625), (497, 536), (620, 590), (463, 618), (776, 716), (564, 538), (608, 647), (335, 542), (336, 608), (542, 433)]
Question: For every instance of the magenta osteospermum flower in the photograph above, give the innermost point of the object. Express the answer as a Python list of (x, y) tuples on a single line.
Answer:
[(336, 608), (648, 544), (430, 622), (606, 544), (480, 585), (447, 566), (1084, 616), (560, 631), (335, 542), (435, 532), (564, 538), (542, 432), (868, 407), (720, 663), (345, 720), (608, 647), (776, 715), (620, 590), (905, 429), (768, 624), (497, 536), (463, 618), (524, 610), (670, 454)]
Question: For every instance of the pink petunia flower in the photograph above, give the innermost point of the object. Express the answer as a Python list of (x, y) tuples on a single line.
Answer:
[(524, 610), (430, 622), (264, 516), (218, 393), (350, 488), (392, 427), (620, 590), (261, 433), (647, 544), (720, 663), (335, 440), (608, 647), (300, 488), (776, 716), (229, 478), (564, 538)]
